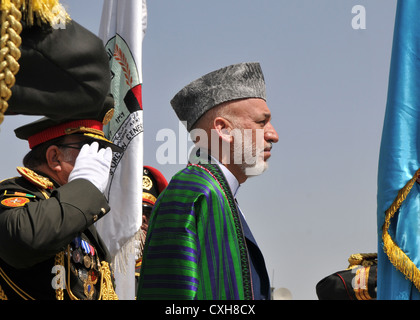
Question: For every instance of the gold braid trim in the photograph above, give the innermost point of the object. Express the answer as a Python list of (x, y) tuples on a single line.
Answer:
[(37, 12), (107, 288), (3, 296), (14, 287), (396, 256), (362, 259), (10, 41), (59, 260), (361, 284)]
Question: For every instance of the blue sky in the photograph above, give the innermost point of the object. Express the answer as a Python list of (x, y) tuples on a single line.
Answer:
[(326, 88)]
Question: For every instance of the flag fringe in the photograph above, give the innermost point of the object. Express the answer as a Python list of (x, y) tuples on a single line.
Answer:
[(396, 256), (133, 246)]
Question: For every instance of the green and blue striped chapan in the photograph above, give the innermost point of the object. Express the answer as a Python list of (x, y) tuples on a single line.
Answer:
[(195, 248)]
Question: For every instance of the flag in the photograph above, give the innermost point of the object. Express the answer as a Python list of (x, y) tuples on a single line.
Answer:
[(398, 198), (123, 25)]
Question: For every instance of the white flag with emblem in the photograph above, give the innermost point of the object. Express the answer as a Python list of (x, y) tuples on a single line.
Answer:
[(123, 25)]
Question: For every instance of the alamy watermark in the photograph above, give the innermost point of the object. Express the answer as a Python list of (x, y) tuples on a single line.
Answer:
[(246, 148), (358, 22)]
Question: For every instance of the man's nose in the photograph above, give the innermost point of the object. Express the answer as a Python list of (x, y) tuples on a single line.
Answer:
[(271, 134)]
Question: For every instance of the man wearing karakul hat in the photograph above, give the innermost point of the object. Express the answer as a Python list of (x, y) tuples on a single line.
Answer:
[(49, 247), (199, 245)]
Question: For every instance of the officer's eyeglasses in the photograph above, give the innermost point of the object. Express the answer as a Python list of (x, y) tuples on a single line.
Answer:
[(78, 145)]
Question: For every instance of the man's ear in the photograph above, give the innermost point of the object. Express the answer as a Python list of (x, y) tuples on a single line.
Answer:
[(53, 155), (223, 127)]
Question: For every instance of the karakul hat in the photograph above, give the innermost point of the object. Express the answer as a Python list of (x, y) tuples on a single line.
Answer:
[(238, 81)]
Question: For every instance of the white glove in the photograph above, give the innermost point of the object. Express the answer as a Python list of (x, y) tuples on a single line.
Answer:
[(93, 165)]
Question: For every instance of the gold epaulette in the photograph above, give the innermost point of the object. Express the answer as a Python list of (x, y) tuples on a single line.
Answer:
[(35, 178)]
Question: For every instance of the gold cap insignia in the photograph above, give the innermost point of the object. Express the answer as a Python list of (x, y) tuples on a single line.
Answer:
[(147, 183)]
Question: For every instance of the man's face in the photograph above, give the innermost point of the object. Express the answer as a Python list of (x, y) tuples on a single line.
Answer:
[(70, 150), (253, 134)]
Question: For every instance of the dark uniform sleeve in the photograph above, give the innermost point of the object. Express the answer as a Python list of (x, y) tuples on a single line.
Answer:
[(41, 228)]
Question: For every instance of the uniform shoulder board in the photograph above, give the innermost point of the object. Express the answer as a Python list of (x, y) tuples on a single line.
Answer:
[(35, 178)]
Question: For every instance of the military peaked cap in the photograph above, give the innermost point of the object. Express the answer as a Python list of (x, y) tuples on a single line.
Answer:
[(154, 182)]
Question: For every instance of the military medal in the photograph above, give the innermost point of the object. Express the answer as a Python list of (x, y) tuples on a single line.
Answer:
[(87, 261), (76, 256), (88, 288), (93, 276), (76, 242), (85, 246), (83, 274)]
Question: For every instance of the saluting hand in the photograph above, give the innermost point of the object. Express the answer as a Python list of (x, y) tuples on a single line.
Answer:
[(93, 165)]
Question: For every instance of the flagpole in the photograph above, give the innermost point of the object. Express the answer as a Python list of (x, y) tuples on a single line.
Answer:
[(123, 25)]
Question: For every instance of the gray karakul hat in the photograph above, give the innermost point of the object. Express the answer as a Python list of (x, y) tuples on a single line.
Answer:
[(238, 81)]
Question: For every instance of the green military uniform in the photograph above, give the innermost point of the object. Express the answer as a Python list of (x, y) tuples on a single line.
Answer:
[(45, 227)]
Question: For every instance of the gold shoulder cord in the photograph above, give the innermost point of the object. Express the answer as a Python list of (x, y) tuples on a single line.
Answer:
[(11, 28), (11, 13), (398, 257), (107, 288)]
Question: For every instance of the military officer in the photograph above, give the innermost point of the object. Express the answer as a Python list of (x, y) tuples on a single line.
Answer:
[(49, 247), (154, 182)]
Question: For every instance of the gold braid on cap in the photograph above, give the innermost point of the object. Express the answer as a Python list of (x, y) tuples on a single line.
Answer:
[(12, 12), (362, 259)]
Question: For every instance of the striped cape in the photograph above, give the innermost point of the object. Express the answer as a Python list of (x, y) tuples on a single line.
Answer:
[(195, 247)]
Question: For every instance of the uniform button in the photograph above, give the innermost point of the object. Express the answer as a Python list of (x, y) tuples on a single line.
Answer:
[(103, 210), (95, 217)]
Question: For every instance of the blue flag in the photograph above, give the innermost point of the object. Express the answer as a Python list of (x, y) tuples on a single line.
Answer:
[(398, 192)]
